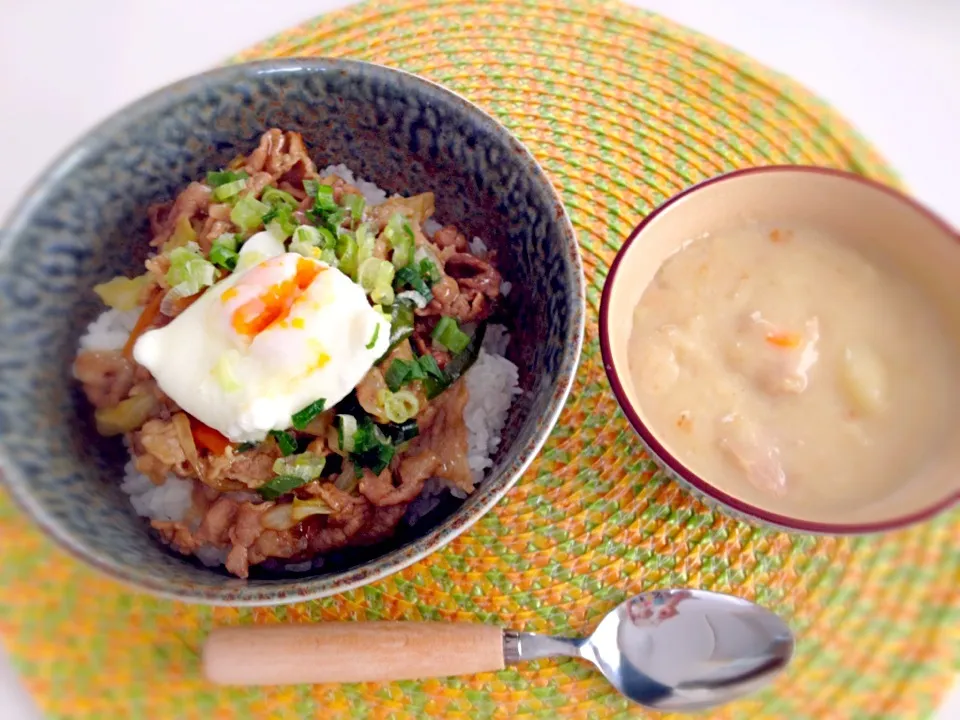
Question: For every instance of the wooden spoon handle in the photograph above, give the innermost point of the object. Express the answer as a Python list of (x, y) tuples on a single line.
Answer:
[(335, 652)]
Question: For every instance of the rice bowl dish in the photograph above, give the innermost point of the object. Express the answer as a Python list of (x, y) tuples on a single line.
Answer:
[(305, 364)]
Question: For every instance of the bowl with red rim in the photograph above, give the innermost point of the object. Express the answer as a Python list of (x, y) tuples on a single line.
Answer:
[(860, 212)]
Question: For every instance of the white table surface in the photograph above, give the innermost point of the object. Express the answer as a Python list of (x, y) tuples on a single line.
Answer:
[(891, 66)]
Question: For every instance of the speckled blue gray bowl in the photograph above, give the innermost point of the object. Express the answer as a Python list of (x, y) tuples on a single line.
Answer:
[(85, 221)]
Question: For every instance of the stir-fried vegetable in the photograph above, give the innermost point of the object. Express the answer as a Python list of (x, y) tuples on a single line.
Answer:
[(305, 416), (126, 415), (307, 466), (208, 438), (285, 516), (448, 334), (375, 276), (248, 213), (145, 320), (183, 234), (122, 293), (189, 272)]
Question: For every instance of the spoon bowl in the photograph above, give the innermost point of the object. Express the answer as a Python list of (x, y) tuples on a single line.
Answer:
[(674, 650), (688, 649)]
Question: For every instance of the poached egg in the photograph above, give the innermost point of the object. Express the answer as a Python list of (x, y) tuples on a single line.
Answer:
[(279, 333)]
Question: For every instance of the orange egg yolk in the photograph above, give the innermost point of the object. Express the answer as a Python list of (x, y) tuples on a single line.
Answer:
[(274, 303)]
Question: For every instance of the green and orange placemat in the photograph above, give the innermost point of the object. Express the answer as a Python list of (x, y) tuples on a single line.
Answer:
[(623, 109)]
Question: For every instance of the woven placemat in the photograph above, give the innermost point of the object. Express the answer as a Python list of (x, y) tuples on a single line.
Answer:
[(623, 109)]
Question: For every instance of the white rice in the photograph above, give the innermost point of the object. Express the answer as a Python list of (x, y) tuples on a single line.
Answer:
[(110, 330), (492, 383), (371, 193)]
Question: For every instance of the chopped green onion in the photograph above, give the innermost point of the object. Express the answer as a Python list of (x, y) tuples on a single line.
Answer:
[(448, 334), (228, 240), (308, 241), (223, 252), (413, 296), (429, 366), (224, 177), (285, 441), (398, 406), (224, 372), (280, 485), (306, 416), (365, 243), (399, 433), (306, 466), (308, 235), (400, 372), (457, 365), (229, 190), (328, 240), (279, 221), (310, 187), (248, 213), (408, 277), (274, 196), (371, 449), (400, 235), (324, 198), (189, 272), (373, 339), (346, 429), (355, 204), (401, 322), (429, 272), (375, 276), (347, 254)]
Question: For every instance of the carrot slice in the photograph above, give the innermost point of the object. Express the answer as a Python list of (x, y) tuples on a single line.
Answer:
[(784, 340), (208, 438), (143, 322)]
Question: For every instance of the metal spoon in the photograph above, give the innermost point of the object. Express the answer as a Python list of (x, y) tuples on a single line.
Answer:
[(665, 649)]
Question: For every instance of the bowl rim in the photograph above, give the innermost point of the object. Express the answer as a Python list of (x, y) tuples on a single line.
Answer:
[(668, 459), (309, 587)]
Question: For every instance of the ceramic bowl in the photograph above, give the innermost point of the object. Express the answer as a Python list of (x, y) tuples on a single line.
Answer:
[(875, 220), (85, 220)]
